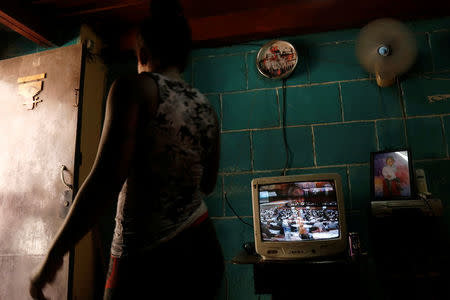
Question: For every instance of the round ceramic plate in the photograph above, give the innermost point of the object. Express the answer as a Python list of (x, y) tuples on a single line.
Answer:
[(276, 59)]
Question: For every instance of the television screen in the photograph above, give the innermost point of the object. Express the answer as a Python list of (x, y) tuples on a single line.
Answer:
[(296, 211)]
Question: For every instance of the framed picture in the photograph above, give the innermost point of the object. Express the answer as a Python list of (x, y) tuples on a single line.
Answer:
[(392, 175)]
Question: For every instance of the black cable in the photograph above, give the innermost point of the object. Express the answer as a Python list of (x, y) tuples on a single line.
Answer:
[(286, 146), (425, 199), (226, 200)]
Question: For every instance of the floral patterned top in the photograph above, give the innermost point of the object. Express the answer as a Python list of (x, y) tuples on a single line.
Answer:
[(162, 195)]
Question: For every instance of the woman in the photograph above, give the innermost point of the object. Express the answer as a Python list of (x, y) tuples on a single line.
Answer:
[(158, 155)]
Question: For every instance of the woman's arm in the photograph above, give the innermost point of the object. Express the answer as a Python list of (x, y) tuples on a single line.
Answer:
[(102, 186)]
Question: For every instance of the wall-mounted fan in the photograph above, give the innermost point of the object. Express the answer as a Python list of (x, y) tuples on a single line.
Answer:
[(386, 48)]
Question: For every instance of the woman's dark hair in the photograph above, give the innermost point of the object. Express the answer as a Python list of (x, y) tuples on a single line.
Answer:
[(166, 34)]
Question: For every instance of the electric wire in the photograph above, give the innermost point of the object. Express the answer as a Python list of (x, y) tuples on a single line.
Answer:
[(286, 145), (232, 209)]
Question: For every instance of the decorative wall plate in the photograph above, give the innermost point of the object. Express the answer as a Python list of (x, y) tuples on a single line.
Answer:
[(276, 59)]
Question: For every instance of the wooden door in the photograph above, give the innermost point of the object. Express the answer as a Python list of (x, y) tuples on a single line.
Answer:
[(38, 143)]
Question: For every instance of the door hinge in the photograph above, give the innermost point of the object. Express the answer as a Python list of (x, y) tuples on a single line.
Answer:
[(77, 97)]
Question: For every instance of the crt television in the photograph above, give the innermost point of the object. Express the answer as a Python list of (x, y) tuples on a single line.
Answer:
[(299, 216)]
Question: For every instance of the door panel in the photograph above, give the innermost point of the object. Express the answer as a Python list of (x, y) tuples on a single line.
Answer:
[(34, 146), (15, 272)]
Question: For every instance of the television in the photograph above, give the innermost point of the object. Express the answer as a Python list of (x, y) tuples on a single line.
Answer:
[(299, 216)]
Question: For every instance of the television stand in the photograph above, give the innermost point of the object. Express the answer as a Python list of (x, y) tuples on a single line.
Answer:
[(410, 247), (318, 278)]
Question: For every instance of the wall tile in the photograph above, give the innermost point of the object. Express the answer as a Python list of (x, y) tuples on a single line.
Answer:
[(255, 109), (214, 200), (232, 243), (360, 187), (425, 138), (391, 134), (187, 73), (17, 45), (234, 49), (269, 151), (331, 36), (424, 62), (440, 47), (344, 143), (333, 62), (214, 99), (312, 104), (235, 152), (429, 25), (364, 100), (342, 171), (211, 73), (416, 92), (300, 143), (239, 192)]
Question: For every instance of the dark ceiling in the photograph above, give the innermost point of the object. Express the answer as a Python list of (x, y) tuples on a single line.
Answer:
[(213, 23)]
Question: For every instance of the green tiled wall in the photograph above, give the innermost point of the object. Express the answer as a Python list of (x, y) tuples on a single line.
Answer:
[(391, 134), (345, 143), (210, 73), (336, 115), (439, 49), (235, 152), (363, 100), (262, 105), (13, 44), (267, 153), (313, 104), (425, 136)]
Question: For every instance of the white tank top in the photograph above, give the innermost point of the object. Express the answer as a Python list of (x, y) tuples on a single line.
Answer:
[(161, 195)]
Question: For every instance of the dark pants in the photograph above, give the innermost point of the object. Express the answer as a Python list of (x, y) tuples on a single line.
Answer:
[(190, 266), (393, 186)]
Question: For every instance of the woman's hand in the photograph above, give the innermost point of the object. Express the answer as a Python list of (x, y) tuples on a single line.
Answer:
[(46, 273)]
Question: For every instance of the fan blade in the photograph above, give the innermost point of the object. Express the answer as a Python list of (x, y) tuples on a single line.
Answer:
[(392, 33)]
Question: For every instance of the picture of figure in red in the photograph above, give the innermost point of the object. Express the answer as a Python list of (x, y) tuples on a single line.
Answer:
[(391, 181), (391, 177)]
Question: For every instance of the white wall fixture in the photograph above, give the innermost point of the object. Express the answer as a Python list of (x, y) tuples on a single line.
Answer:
[(277, 59), (387, 48)]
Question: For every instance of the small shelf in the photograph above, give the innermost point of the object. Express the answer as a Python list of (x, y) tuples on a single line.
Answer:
[(245, 258)]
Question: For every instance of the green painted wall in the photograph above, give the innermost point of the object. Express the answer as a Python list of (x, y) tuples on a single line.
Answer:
[(13, 44), (336, 115)]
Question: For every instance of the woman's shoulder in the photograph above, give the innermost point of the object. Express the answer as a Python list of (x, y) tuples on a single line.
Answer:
[(135, 87), (134, 80)]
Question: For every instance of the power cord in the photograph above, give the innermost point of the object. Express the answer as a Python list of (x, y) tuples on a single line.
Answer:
[(286, 146), (425, 199), (232, 209)]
